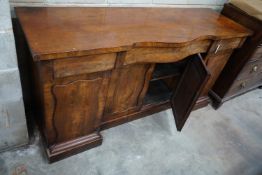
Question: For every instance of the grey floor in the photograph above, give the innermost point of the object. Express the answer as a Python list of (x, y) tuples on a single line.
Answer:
[(224, 142)]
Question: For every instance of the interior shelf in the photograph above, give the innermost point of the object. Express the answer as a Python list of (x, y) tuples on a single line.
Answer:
[(164, 81), (163, 71), (157, 92), (167, 70)]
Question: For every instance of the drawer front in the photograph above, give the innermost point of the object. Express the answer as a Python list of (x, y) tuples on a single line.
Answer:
[(226, 44), (251, 69), (241, 86), (257, 54), (83, 65), (165, 54)]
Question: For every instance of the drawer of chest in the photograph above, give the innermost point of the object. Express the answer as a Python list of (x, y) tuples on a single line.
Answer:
[(83, 65), (241, 86), (251, 69), (257, 55)]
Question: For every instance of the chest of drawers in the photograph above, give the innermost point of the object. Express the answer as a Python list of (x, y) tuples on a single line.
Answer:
[(94, 68), (243, 72)]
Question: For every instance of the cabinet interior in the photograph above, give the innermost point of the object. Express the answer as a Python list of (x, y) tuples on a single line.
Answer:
[(164, 81)]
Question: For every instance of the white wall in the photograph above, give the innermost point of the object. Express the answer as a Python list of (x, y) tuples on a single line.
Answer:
[(13, 129), (215, 4)]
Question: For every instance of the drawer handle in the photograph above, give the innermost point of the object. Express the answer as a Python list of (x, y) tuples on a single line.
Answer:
[(254, 69), (243, 85), (217, 48)]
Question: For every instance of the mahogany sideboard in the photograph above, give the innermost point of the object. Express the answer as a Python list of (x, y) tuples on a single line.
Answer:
[(94, 68)]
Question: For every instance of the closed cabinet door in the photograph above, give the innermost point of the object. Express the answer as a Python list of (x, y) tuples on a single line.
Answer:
[(127, 89), (183, 99), (78, 106)]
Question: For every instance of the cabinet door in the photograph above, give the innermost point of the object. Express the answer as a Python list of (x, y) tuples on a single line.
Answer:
[(186, 94), (127, 89), (79, 106)]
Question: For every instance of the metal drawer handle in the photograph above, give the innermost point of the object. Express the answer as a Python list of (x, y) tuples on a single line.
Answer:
[(254, 69), (243, 85), (217, 48)]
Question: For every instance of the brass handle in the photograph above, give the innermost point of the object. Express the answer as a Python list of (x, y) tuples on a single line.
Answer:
[(243, 85), (219, 45), (254, 69)]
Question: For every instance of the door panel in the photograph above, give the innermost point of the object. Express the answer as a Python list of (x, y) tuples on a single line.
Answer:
[(79, 107), (127, 89), (215, 64), (186, 94)]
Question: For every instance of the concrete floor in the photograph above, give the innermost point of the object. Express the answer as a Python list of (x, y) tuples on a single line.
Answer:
[(224, 142)]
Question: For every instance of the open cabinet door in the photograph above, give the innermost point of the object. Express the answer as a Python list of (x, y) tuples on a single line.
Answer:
[(190, 85)]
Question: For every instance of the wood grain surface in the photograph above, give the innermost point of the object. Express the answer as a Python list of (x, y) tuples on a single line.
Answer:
[(61, 32)]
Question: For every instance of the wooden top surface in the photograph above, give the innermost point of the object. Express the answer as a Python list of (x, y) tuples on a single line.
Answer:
[(63, 31)]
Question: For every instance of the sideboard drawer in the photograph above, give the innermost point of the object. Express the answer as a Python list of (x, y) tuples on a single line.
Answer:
[(166, 54), (226, 44), (83, 65)]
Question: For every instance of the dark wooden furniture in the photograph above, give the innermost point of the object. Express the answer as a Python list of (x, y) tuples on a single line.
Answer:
[(243, 72), (95, 68)]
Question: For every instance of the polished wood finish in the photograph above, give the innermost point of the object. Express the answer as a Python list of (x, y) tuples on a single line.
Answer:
[(243, 71), (215, 62), (166, 55), (128, 86), (95, 68), (84, 65), (85, 31)]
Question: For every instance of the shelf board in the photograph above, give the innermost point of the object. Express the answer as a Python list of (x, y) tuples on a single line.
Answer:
[(167, 70), (157, 93)]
